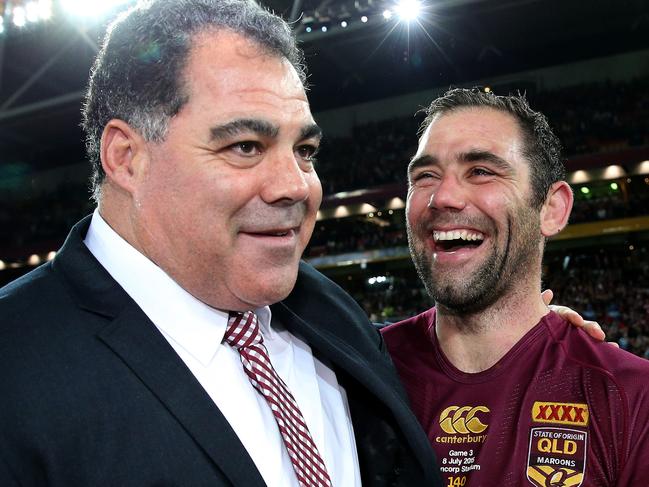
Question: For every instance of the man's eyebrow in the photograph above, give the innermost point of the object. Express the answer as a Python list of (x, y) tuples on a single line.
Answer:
[(241, 125), (421, 161), (311, 131), (483, 155)]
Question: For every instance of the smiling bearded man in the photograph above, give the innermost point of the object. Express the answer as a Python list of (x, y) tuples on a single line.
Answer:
[(508, 393)]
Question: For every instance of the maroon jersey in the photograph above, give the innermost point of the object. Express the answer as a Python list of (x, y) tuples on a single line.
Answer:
[(559, 409)]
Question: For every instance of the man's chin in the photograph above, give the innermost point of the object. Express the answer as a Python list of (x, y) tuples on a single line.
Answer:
[(272, 288), (467, 300)]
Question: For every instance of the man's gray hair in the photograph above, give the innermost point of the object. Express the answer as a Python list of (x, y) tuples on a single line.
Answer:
[(138, 74), (542, 148)]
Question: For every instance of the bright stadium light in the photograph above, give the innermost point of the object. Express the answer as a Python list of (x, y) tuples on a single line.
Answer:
[(28, 12), (408, 10), (387, 14), (364, 19), (31, 12), (44, 9), (19, 16), (91, 8)]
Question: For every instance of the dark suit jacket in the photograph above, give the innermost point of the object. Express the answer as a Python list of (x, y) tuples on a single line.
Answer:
[(91, 394)]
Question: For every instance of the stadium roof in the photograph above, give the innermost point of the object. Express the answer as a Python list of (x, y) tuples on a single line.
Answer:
[(44, 67)]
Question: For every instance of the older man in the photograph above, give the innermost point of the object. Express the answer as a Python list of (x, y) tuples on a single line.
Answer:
[(508, 393), (161, 346)]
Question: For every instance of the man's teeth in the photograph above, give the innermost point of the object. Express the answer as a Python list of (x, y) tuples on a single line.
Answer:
[(457, 235)]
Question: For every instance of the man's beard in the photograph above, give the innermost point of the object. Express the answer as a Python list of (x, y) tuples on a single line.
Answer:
[(495, 277)]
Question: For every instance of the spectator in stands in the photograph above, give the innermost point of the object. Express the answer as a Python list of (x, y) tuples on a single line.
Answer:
[(504, 389), (136, 358)]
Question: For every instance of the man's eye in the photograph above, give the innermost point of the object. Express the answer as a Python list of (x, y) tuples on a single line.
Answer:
[(247, 148), (481, 171), (307, 152), (423, 175)]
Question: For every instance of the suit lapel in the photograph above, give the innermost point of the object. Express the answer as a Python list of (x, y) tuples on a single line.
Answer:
[(139, 344)]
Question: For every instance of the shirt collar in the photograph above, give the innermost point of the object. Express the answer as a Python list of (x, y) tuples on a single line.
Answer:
[(192, 324)]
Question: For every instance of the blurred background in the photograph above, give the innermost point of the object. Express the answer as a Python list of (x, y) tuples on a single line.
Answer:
[(373, 64)]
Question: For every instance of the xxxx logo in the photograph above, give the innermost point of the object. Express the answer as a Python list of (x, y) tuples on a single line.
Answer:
[(560, 413), (463, 420)]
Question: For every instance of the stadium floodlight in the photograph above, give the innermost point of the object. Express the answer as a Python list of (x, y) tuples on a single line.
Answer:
[(387, 14), (323, 28), (91, 8), (19, 16), (44, 8), (31, 12), (28, 12), (408, 10), (364, 19), (343, 24)]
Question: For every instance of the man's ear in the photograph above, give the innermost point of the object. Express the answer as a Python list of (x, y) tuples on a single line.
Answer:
[(556, 209), (123, 154)]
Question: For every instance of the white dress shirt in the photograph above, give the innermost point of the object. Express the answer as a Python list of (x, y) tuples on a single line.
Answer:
[(195, 331)]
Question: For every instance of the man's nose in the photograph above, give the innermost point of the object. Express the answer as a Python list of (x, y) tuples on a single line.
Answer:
[(286, 181), (450, 194)]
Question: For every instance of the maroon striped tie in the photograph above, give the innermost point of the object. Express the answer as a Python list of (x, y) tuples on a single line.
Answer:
[(243, 334)]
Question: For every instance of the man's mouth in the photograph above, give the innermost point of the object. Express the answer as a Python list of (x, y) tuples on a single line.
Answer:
[(273, 232), (452, 240)]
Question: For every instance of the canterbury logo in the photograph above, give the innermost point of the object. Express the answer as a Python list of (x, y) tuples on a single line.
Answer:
[(463, 420), (560, 413)]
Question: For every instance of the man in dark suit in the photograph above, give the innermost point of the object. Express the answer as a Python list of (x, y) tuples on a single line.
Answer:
[(133, 358)]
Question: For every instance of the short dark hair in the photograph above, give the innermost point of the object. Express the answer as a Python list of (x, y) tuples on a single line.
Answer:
[(542, 147), (138, 74)]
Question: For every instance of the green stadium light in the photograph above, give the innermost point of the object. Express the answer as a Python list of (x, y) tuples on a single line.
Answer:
[(614, 186), (585, 190)]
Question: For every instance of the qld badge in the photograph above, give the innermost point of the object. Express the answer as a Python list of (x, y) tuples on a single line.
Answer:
[(557, 457)]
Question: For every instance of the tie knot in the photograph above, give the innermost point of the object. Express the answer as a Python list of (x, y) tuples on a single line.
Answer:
[(242, 330)]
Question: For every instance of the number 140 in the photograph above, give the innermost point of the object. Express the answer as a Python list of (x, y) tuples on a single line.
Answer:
[(456, 481)]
